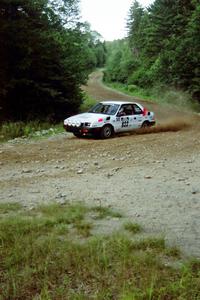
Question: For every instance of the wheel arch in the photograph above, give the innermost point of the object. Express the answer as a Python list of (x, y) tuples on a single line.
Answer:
[(146, 123), (104, 126), (108, 124)]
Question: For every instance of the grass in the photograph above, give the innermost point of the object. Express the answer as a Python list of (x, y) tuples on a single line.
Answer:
[(136, 91), (132, 227), (11, 130), (103, 212), (9, 207), (41, 257), (83, 228), (173, 252)]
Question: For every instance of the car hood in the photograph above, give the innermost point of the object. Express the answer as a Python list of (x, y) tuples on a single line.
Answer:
[(87, 117)]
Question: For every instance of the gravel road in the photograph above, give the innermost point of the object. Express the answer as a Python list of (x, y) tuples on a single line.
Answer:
[(153, 179)]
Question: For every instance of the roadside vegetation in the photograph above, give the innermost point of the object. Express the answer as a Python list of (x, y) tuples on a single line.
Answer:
[(163, 95), (88, 102), (32, 129), (38, 129), (160, 57), (51, 252), (46, 55)]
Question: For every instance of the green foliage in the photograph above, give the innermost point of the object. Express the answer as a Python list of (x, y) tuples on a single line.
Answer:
[(164, 47), (132, 90), (135, 17), (43, 257), (87, 103), (45, 57), (95, 50), (120, 61)]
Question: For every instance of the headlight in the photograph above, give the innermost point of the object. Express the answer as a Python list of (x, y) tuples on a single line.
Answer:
[(69, 122), (78, 123)]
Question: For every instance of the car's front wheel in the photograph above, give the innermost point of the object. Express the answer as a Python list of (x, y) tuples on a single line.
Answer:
[(106, 132)]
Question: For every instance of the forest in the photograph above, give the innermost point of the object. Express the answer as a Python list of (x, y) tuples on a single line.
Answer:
[(162, 48), (46, 54)]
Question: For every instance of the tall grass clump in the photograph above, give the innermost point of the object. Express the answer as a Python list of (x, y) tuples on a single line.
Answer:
[(132, 227), (11, 130), (43, 256), (103, 212)]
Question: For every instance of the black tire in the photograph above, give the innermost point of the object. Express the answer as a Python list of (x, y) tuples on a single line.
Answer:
[(77, 134), (106, 132), (146, 124)]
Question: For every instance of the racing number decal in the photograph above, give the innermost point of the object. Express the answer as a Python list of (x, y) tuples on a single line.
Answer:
[(125, 122)]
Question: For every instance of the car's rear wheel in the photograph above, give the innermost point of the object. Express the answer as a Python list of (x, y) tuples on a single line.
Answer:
[(146, 124), (106, 132)]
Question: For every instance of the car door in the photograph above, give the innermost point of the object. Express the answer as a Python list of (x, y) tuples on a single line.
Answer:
[(137, 116), (125, 118)]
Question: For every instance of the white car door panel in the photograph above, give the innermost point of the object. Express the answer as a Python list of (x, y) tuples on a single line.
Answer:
[(137, 121)]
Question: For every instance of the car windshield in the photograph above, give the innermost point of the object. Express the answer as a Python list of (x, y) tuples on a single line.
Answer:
[(107, 109)]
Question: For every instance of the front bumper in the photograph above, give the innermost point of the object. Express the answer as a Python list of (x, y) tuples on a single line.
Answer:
[(82, 130)]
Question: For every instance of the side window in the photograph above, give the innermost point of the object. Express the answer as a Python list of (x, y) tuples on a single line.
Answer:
[(137, 109), (126, 110)]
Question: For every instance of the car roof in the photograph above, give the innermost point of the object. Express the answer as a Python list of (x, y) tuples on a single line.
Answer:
[(120, 102)]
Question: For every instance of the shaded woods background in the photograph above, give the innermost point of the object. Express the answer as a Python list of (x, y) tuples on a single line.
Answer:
[(46, 54)]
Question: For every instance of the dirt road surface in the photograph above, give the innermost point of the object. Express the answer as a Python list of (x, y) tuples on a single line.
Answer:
[(153, 179)]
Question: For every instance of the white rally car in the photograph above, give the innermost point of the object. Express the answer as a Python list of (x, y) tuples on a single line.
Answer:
[(109, 117)]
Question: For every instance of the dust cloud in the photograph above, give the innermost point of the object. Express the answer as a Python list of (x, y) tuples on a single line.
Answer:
[(173, 124)]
